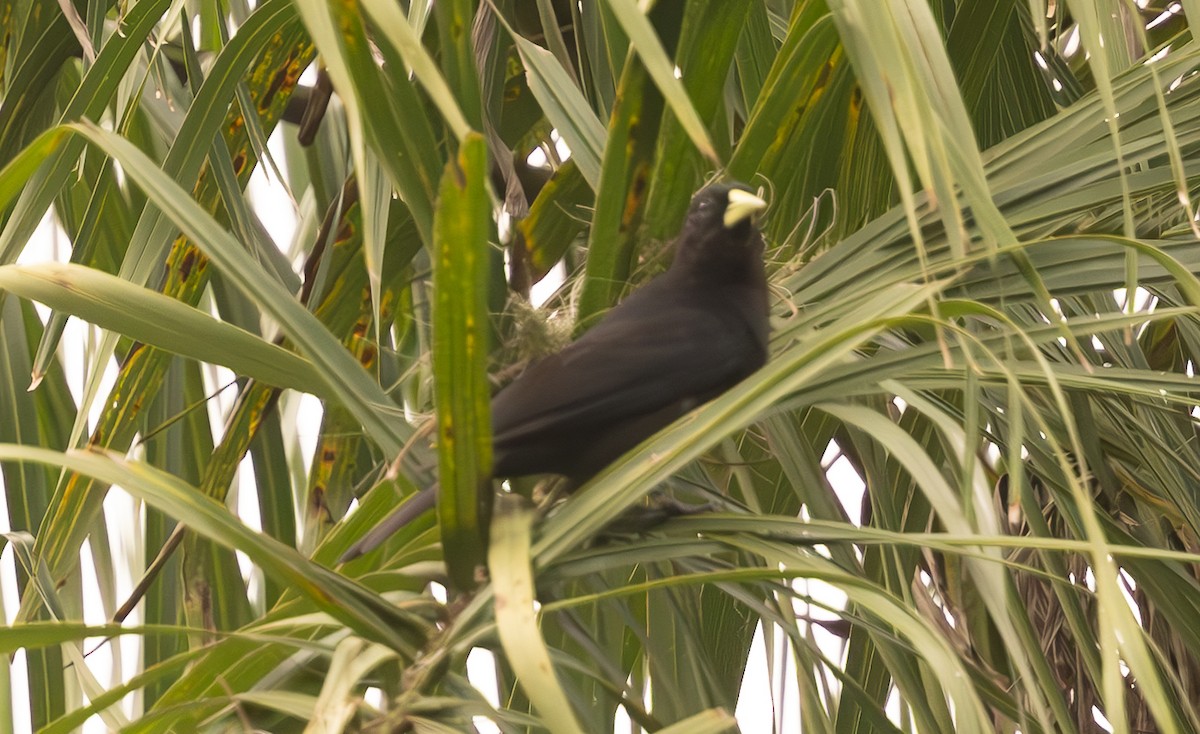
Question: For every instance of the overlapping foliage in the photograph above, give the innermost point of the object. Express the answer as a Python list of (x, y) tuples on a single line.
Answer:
[(984, 265)]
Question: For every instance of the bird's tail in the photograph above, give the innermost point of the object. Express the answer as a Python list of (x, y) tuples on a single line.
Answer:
[(417, 505)]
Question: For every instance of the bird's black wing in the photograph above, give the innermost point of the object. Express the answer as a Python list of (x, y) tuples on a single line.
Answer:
[(649, 352)]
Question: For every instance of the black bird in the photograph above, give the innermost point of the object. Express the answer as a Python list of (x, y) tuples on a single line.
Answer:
[(681, 340)]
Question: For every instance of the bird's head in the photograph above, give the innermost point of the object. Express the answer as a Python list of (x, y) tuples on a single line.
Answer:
[(719, 231)]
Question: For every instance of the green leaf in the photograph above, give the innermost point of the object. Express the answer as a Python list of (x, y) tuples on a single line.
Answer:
[(658, 64), (152, 318), (345, 600), (462, 228), (516, 615), (342, 374)]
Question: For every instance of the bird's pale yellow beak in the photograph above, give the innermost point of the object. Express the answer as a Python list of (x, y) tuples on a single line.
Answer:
[(742, 205)]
